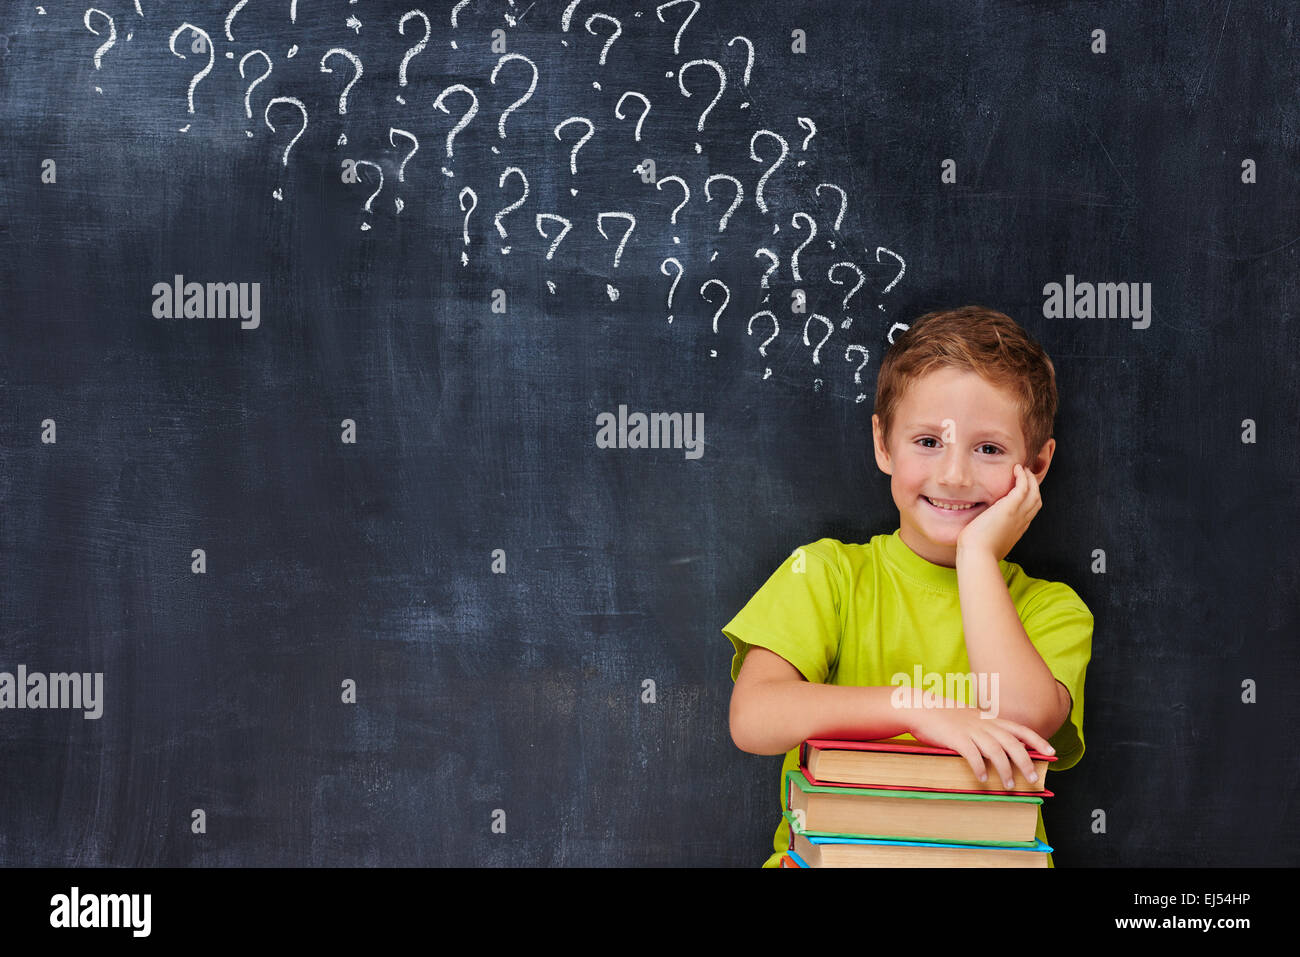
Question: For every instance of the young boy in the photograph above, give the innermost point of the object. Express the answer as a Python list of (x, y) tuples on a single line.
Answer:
[(827, 648)]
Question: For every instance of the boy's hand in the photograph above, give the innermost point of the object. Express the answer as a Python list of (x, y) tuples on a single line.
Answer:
[(1002, 524), (945, 723)]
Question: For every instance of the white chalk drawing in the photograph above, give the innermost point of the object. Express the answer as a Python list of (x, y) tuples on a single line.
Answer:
[(702, 60)]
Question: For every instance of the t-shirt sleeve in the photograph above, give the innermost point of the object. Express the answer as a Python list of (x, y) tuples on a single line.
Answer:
[(1060, 626), (796, 614)]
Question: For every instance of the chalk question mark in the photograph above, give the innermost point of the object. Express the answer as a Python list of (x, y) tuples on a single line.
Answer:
[(830, 327), (573, 154), (749, 62), (230, 19), (438, 104), (513, 206), (618, 110), (559, 238), (722, 86), (356, 63), (770, 269), (365, 226), (202, 73), (112, 35), (844, 202), (501, 124), (762, 180), (248, 105), (902, 267), (659, 12), (460, 200), (618, 30), (663, 268), (812, 232), (839, 282), (713, 353), (567, 16), (415, 50), (454, 25), (686, 198), (401, 170), (631, 225), (740, 194), (857, 373), (811, 127), (776, 330), (266, 115)]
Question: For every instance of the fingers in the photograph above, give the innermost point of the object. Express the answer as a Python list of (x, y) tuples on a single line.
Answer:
[(1011, 735), (1027, 734), (1003, 743), (1032, 482), (1012, 748), (941, 728), (997, 746), (997, 741), (967, 749), (978, 745), (1030, 489)]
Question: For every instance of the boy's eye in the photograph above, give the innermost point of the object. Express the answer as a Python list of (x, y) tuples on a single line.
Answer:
[(987, 447)]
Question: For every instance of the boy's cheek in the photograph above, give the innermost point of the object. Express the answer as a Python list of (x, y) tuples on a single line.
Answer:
[(1004, 494)]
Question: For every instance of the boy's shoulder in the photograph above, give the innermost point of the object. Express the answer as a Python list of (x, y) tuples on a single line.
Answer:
[(835, 548), (1032, 593), (844, 555)]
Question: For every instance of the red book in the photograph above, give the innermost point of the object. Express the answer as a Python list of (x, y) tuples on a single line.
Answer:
[(905, 764)]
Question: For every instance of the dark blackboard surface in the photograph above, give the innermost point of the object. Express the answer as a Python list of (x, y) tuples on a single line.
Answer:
[(475, 429)]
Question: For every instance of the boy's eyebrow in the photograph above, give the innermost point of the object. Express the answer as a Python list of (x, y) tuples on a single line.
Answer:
[(929, 427)]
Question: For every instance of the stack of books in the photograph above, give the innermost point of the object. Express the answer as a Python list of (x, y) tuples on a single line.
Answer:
[(897, 803)]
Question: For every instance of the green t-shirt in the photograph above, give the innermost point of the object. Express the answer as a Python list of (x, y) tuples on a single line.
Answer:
[(862, 614)]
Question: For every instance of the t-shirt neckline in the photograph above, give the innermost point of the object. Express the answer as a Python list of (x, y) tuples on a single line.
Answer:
[(914, 566)]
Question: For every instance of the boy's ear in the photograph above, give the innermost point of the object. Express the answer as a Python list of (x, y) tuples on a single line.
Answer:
[(883, 461), (1044, 459)]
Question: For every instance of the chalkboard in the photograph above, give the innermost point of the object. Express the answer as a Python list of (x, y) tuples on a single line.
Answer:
[(318, 318)]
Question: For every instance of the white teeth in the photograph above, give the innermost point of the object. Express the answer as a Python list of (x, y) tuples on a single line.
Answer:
[(949, 508)]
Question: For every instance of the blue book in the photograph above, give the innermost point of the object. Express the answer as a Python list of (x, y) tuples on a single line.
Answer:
[(808, 850)]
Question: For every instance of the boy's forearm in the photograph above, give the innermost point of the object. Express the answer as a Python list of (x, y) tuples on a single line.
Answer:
[(996, 644), (774, 716)]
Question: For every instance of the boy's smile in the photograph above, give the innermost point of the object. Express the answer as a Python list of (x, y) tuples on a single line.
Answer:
[(954, 442)]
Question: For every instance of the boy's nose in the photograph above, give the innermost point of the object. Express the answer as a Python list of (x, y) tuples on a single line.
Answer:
[(954, 470)]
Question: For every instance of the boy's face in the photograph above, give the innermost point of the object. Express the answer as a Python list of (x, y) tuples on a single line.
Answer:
[(956, 438)]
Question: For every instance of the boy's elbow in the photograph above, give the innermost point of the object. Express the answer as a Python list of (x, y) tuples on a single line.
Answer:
[(751, 745), (743, 733), (740, 732), (1051, 718), (1046, 722)]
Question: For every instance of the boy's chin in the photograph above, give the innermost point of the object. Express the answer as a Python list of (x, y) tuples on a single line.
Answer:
[(936, 536)]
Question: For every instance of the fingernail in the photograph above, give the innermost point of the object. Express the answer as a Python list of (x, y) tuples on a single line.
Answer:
[(984, 777), (1033, 776), (1011, 785)]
